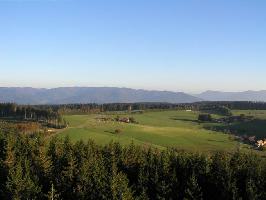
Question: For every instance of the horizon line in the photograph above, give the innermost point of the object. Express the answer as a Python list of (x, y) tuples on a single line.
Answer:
[(121, 87)]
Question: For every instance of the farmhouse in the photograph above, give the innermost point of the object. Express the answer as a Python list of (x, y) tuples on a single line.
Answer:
[(50, 131), (125, 120), (261, 143)]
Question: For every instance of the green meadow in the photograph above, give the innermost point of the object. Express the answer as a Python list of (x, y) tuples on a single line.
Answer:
[(160, 129)]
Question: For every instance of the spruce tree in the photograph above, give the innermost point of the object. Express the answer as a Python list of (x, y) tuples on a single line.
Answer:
[(193, 190), (22, 183), (120, 188)]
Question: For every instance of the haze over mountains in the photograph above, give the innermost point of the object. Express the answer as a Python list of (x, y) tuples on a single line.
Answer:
[(233, 96), (66, 95)]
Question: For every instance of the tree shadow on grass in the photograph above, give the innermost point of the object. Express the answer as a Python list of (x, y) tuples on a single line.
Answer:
[(112, 132), (255, 127), (209, 140), (184, 120)]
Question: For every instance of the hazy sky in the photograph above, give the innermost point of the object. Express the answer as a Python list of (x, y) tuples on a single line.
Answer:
[(179, 45)]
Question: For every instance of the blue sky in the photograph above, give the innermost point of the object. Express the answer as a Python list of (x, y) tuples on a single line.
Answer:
[(179, 45)]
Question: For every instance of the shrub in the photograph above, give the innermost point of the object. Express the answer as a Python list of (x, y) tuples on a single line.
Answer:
[(132, 120), (117, 118), (262, 148), (205, 118), (118, 131)]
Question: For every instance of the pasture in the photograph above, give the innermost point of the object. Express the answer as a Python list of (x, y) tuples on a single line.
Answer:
[(161, 129)]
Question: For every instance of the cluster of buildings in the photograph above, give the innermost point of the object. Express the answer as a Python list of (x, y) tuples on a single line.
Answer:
[(124, 120), (261, 143)]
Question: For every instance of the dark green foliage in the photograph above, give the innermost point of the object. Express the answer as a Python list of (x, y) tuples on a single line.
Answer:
[(119, 187), (45, 115), (205, 118), (51, 112), (222, 108), (118, 131), (32, 168), (133, 120), (193, 190), (216, 109), (22, 183)]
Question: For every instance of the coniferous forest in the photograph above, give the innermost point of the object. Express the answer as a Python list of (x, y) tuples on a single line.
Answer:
[(34, 168)]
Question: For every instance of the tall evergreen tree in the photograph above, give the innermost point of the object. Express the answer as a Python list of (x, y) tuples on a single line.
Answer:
[(22, 183), (193, 190), (120, 188)]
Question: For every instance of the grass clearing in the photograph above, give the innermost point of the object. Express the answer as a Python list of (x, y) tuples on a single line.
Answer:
[(161, 129)]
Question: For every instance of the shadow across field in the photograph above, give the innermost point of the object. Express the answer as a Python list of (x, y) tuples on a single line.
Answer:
[(184, 120), (111, 132), (255, 127)]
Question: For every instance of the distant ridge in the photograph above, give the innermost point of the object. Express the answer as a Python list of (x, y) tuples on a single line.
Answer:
[(67, 95), (233, 96)]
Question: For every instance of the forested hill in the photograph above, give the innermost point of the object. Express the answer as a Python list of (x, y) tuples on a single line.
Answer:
[(98, 95)]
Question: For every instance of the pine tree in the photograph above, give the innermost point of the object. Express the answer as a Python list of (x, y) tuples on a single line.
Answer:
[(251, 190), (69, 176), (43, 168), (120, 189), (10, 154), (193, 190), (221, 184), (2, 166), (21, 183)]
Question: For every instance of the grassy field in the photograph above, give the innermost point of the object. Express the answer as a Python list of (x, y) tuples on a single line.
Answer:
[(162, 129), (259, 114)]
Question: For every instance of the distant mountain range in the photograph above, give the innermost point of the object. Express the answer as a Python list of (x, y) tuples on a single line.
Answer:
[(233, 96), (67, 95)]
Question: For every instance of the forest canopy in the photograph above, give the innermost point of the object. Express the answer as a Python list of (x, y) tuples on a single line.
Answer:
[(33, 168)]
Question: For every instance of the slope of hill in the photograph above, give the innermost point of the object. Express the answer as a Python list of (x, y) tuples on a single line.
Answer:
[(233, 96), (67, 95)]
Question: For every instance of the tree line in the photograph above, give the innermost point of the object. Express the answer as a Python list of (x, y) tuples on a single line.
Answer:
[(34, 168), (233, 105), (222, 107), (50, 112), (47, 115), (88, 108)]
